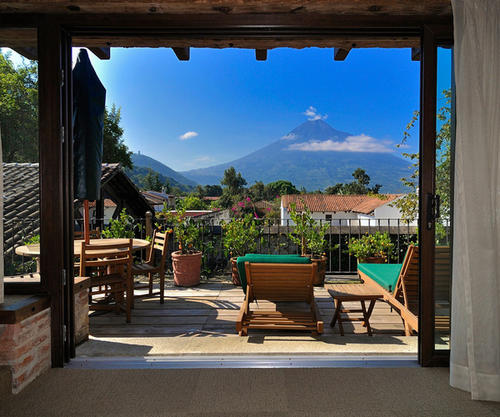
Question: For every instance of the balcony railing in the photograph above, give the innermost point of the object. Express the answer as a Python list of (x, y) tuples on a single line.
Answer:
[(273, 239)]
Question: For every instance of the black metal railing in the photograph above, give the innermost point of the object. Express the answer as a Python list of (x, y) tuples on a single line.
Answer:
[(273, 239)]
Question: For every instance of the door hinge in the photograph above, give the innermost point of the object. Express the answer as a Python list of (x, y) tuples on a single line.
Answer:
[(433, 209), (64, 280), (62, 134), (62, 78), (65, 333)]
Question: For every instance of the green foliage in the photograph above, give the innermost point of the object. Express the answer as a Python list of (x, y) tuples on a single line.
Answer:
[(371, 245), (33, 240), (122, 227), (191, 202), (232, 181), (307, 234), (358, 187), (114, 149), (208, 191), (240, 235), (186, 230), (151, 181), (408, 204), (19, 110)]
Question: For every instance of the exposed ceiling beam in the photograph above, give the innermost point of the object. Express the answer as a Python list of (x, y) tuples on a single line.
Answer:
[(415, 54), (27, 52), (340, 54), (182, 53), (261, 54), (101, 53)]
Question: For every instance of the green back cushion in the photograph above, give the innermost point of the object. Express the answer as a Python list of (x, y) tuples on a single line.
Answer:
[(384, 274), (265, 258)]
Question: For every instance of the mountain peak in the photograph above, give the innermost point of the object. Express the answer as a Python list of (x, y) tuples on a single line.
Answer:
[(316, 130)]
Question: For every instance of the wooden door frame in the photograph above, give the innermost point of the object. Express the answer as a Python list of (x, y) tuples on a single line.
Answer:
[(56, 155)]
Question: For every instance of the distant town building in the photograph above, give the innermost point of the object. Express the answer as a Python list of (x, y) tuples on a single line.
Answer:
[(339, 210), (158, 200)]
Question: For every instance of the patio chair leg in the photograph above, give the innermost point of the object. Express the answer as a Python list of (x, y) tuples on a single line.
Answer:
[(162, 288), (150, 276), (366, 318)]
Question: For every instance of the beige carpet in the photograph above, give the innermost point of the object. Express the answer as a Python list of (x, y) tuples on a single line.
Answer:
[(355, 392)]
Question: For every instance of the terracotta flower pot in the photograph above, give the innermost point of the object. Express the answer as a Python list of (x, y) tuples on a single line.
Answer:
[(187, 268), (319, 271), (235, 275), (372, 260)]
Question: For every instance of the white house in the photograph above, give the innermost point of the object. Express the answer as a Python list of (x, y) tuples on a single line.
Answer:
[(346, 210)]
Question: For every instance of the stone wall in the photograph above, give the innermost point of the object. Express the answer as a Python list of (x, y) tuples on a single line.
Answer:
[(25, 348)]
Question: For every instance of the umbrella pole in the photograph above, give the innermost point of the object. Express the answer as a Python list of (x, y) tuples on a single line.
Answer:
[(86, 228)]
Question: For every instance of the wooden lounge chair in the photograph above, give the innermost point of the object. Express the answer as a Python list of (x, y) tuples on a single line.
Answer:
[(399, 285), (279, 283)]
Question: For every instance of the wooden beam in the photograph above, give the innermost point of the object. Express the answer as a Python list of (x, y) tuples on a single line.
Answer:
[(415, 54), (101, 53), (261, 54), (27, 52), (182, 53), (340, 54)]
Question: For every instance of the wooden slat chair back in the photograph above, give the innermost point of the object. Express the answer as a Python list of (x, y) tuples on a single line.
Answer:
[(159, 243), (279, 283), (109, 268), (94, 234)]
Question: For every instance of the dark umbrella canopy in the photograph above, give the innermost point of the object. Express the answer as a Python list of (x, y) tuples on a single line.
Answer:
[(89, 98)]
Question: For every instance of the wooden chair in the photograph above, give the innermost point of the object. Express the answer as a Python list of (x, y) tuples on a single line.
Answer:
[(279, 283), (110, 270), (94, 234), (158, 243), (403, 296)]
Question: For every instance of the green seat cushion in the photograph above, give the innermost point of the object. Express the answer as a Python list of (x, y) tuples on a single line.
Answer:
[(265, 258), (384, 274)]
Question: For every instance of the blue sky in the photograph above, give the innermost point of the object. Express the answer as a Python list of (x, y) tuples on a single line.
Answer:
[(235, 104)]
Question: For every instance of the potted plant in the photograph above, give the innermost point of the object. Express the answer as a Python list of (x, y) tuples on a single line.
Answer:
[(371, 248), (186, 262), (240, 237), (310, 237)]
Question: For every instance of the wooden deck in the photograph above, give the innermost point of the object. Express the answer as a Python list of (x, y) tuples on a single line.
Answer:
[(212, 308)]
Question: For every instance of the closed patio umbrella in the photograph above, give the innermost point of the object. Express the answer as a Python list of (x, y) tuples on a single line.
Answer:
[(89, 98)]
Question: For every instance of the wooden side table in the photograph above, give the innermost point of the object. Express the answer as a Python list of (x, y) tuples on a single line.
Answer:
[(354, 292)]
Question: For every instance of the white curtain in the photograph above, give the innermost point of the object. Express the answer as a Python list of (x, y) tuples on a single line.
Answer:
[(475, 333)]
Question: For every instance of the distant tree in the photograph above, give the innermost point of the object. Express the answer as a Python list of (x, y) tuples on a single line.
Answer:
[(233, 181), (114, 148), (280, 187), (213, 190), (19, 110), (233, 187), (151, 181), (192, 202), (359, 186), (257, 191)]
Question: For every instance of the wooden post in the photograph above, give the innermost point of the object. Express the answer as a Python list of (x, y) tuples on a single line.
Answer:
[(149, 223), (427, 170), (51, 180), (86, 226)]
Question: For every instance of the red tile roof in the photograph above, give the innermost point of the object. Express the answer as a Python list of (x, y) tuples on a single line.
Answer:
[(107, 203), (333, 203)]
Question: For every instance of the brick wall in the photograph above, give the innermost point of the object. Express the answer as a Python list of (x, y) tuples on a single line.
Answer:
[(81, 315), (25, 348)]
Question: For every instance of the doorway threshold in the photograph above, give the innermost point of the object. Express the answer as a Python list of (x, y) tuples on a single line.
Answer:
[(244, 361)]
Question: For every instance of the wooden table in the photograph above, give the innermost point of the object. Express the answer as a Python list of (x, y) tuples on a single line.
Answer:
[(354, 292), (34, 249)]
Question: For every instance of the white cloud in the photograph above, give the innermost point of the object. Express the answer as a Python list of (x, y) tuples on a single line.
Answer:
[(188, 135), (359, 143), (312, 114), (290, 136)]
